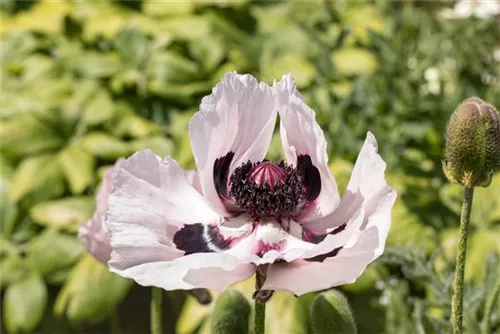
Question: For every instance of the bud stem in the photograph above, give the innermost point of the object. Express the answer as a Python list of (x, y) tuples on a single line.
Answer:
[(156, 312), (458, 283), (260, 308)]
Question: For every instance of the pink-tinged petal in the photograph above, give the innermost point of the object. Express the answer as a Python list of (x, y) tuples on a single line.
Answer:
[(193, 179), (304, 145), (344, 265), (235, 124), (191, 271), (94, 233), (151, 200), (217, 278), (94, 236), (366, 188)]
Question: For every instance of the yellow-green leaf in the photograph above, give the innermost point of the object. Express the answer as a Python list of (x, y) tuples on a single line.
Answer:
[(78, 167), (24, 304), (66, 213)]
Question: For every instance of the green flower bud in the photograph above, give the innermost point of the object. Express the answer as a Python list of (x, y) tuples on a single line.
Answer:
[(472, 152), (331, 313), (231, 313)]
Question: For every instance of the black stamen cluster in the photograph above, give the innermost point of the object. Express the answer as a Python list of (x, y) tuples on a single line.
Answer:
[(259, 200)]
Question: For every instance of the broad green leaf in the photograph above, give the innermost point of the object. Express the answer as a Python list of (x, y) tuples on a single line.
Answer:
[(160, 145), (66, 213), (44, 17), (354, 61), (133, 47), (99, 109), (98, 65), (102, 145), (78, 167), (134, 126), (14, 268), (167, 8), (27, 134), (209, 52), (188, 27), (91, 293), (408, 230), (301, 69), (24, 304), (170, 67), (52, 251), (8, 210), (40, 176)]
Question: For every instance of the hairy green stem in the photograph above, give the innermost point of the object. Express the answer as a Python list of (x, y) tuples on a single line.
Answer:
[(156, 312), (490, 303), (458, 283), (260, 317)]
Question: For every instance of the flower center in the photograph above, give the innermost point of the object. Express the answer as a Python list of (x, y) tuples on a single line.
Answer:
[(266, 189)]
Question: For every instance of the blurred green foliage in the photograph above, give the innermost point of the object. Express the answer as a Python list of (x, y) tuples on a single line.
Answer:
[(87, 82)]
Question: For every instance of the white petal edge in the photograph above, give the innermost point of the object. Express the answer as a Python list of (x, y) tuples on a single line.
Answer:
[(150, 201), (94, 234), (302, 276), (239, 116), (302, 135)]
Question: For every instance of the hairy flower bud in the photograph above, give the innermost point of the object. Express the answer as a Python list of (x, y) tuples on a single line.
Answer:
[(472, 152)]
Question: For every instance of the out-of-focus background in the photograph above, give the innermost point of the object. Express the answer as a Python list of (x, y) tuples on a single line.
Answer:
[(86, 82)]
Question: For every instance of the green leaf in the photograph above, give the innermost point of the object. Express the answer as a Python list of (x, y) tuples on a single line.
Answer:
[(27, 134), (8, 210), (331, 313), (66, 213), (231, 313), (301, 69), (170, 67), (160, 145), (78, 167), (14, 268), (354, 61), (166, 8), (24, 304), (40, 176), (99, 109), (102, 145), (52, 251), (133, 47), (91, 293), (98, 65), (135, 127)]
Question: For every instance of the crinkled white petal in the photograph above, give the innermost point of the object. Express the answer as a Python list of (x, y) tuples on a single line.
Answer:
[(366, 186), (303, 276), (239, 116), (94, 233), (302, 135), (150, 201)]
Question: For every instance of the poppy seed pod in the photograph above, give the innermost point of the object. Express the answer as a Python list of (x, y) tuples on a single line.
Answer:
[(472, 152)]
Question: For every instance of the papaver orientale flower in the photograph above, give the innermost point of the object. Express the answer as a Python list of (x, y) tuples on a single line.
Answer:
[(94, 234), (284, 219)]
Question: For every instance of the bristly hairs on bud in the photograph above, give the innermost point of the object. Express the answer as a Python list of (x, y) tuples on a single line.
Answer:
[(472, 152)]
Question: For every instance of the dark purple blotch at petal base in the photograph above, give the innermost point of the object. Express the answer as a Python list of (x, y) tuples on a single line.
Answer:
[(322, 257), (310, 177), (221, 171), (200, 238)]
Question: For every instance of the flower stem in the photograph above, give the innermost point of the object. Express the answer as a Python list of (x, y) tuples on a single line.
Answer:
[(260, 317), (156, 312), (458, 283), (260, 304)]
